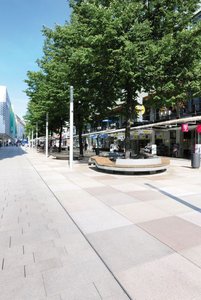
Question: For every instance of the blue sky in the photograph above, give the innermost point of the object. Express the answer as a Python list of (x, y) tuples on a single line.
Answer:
[(21, 22)]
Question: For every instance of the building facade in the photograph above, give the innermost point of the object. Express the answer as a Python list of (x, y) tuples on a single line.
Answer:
[(20, 127), (8, 129)]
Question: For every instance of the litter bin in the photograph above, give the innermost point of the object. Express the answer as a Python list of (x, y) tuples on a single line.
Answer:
[(195, 160), (97, 151)]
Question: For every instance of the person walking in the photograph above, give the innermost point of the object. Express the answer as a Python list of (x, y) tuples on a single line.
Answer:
[(175, 150)]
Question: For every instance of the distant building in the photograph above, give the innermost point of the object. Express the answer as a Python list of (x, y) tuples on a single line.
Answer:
[(19, 128), (7, 118)]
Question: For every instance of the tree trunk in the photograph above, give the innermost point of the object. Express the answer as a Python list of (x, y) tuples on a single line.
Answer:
[(128, 121), (80, 139)]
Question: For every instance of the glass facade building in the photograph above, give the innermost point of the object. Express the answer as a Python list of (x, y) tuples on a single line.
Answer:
[(7, 117)]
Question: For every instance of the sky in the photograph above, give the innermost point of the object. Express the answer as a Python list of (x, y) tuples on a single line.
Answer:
[(21, 41)]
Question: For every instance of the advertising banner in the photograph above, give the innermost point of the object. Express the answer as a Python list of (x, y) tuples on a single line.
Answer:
[(184, 127), (198, 128)]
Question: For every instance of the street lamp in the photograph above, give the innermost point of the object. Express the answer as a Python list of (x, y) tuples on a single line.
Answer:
[(46, 144), (165, 112), (71, 128)]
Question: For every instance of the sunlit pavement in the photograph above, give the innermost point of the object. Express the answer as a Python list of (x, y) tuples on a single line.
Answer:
[(81, 234)]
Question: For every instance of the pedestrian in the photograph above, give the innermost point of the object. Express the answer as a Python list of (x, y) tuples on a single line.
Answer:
[(175, 150)]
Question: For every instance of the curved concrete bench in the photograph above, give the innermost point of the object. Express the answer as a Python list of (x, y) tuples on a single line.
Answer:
[(131, 166)]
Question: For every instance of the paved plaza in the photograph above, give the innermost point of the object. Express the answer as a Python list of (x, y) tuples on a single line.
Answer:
[(81, 234)]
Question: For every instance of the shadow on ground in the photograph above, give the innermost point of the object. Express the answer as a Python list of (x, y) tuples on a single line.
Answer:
[(10, 151)]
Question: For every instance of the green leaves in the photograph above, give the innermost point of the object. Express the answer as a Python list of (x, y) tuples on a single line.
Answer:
[(110, 51)]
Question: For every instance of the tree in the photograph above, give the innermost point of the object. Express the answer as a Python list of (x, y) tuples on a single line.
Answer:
[(112, 50), (175, 51), (119, 38), (148, 45)]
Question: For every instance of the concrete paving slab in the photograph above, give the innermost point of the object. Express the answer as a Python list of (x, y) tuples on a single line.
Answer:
[(73, 251), (118, 198), (37, 267), (127, 187), (99, 219), (105, 178), (146, 195), (193, 217), (127, 246), (110, 195), (109, 289), (170, 277), (179, 191), (23, 288), (10, 274), (65, 186), (192, 254), (42, 254), (74, 276), (56, 297), (141, 212), (86, 291), (170, 206), (103, 190), (79, 201), (35, 235), (63, 258), (193, 199), (19, 259), (174, 232)]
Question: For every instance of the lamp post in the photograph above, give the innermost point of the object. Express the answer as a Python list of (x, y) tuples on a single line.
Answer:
[(71, 128), (36, 134), (32, 134), (46, 140)]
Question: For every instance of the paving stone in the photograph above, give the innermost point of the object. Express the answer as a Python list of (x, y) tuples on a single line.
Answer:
[(99, 219), (49, 258), (141, 212), (192, 254), (170, 277), (74, 275), (170, 206), (127, 187), (147, 195), (85, 291), (22, 288), (110, 289), (127, 246), (43, 265), (192, 216), (174, 232)]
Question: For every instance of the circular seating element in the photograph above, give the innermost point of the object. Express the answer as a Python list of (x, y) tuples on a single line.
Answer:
[(131, 166)]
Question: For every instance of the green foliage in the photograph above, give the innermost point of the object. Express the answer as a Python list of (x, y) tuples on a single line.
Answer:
[(110, 51)]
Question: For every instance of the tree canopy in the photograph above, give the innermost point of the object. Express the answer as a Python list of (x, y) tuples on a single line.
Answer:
[(111, 50)]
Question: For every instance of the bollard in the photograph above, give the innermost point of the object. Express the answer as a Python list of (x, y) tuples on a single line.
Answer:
[(195, 160)]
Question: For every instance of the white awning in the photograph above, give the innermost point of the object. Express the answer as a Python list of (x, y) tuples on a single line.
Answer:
[(169, 122)]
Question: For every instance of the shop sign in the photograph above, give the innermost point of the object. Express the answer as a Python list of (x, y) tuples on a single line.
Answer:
[(121, 136), (147, 131), (140, 109), (198, 128), (159, 135), (184, 127)]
